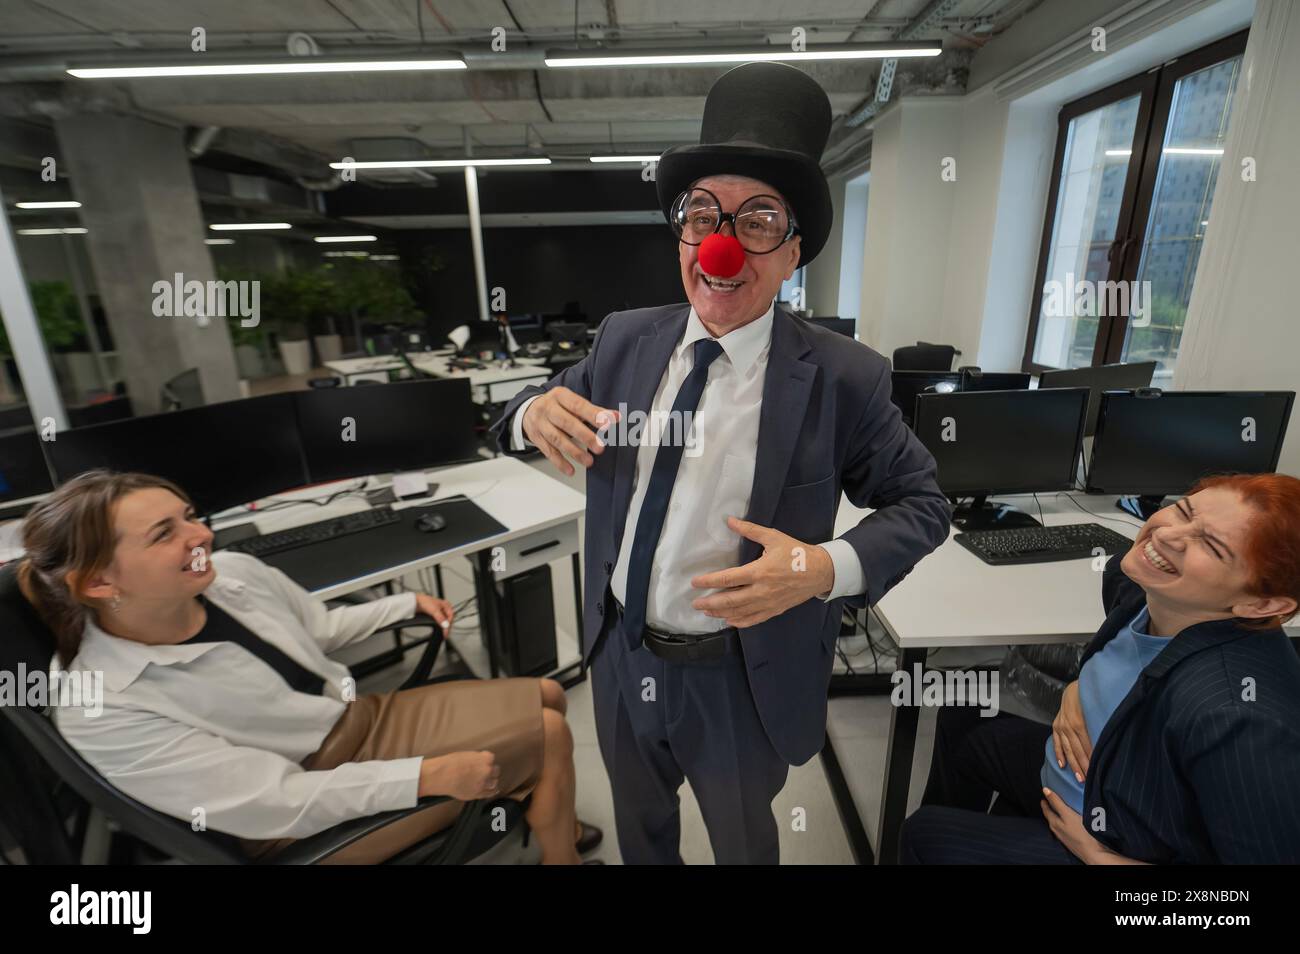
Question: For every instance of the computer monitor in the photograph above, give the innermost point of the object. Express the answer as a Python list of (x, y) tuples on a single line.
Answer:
[(845, 326), (1156, 444), (23, 471), (530, 320), (567, 334), (972, 380), (1106, 377), (908, 384), (406, 425), (222, 455), (1002, 442)]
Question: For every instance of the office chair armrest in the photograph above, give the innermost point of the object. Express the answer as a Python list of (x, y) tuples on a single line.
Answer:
[(420, 674), (315, 848)]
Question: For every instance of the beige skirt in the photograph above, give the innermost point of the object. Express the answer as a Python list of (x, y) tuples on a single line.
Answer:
[(502, 716)]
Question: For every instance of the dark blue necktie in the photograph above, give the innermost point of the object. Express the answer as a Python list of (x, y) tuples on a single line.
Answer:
[(654, 506)]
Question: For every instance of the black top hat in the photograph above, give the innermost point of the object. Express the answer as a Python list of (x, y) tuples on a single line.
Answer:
[(767, 121)]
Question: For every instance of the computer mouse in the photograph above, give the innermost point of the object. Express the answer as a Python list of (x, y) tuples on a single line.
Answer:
[(431, 523)]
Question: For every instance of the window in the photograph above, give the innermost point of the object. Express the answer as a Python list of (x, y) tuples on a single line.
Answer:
[(1132, 181)]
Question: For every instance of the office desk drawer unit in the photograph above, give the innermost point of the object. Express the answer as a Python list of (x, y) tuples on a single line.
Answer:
[(534, 549)]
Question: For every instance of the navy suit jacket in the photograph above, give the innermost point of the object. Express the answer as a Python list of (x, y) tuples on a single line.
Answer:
[(1200, 763), (827, 423)]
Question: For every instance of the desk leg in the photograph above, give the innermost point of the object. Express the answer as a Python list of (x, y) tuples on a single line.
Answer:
[(437, 579), (577, 613), (898, 765), (487, 606)]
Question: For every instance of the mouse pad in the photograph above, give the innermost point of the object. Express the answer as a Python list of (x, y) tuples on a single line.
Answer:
[(356, 555)]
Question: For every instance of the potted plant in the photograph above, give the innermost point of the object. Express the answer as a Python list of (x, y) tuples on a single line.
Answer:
[(372, 292), (289, 302), (59, 318)]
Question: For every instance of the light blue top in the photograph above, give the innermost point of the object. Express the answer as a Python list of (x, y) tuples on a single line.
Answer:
[(1104, 681)]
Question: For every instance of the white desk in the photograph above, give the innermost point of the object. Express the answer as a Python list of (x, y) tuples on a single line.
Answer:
[(491, 384), (370, 368), (536, 510), (952, 598)]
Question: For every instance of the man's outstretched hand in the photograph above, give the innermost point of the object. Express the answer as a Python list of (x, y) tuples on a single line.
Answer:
[(788, 573), (563, 425)]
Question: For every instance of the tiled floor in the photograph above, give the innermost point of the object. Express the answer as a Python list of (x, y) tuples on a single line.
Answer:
[(858, 726)]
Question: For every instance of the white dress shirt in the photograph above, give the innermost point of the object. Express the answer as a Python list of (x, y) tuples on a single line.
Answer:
[(713, 482), (209, 726)]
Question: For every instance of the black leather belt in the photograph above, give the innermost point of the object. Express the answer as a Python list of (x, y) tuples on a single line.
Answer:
[(688, 647)]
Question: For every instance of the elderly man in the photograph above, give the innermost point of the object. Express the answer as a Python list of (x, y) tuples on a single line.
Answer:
[(717, 437)]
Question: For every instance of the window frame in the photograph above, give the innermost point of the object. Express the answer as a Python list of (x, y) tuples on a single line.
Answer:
[(1156, 88)]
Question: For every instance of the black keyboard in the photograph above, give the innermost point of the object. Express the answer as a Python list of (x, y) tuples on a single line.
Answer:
[(318, 532), (1071, 541)]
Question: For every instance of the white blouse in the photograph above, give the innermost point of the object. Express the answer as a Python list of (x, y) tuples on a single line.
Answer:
[(209, 733)]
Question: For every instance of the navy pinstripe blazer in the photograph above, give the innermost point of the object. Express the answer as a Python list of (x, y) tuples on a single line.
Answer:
[(1200, 764)]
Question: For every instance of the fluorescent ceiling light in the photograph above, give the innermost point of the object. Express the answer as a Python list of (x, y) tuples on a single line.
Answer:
[(218, 241), (248, 226), (876, 51), (622, 158), (75, 231), (384, 258), (48, 205), (346, 238), (439, 163), (254, 69), (349, 254)]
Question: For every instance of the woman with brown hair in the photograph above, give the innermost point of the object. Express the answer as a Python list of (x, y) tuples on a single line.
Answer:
[(222, 708)]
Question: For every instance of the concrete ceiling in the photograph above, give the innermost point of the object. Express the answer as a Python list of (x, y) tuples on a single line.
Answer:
[(495, 111)]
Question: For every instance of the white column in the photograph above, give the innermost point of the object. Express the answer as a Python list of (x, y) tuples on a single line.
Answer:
[(476, 239), (25, 334)]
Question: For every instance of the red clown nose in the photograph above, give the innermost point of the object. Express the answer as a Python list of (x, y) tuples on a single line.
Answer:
[(721, 255)]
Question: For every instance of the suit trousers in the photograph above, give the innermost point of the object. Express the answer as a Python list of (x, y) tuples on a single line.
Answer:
[(660, 723), (974, 759)]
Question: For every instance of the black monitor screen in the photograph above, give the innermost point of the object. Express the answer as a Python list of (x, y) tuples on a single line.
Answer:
[(406, 425), (1003, 442), (1162, 445), (22, 465), (845, 326), (222, 455), (1106, 377), (908, 384), (994, 381)]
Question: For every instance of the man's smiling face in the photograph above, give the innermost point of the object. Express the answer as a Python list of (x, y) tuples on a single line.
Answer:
[(760, 277)]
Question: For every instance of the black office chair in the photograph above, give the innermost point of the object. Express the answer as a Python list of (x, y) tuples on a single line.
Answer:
[(923, 356), (182, 391), (47, 783), (568, 344)]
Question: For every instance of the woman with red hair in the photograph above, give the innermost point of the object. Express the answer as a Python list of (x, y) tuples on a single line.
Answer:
[(1179, 743)]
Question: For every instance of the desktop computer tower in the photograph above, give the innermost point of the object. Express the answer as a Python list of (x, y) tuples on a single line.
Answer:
[(525, 630)]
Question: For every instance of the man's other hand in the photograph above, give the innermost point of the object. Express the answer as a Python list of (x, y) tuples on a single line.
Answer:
[(563, 425), (788, 573)]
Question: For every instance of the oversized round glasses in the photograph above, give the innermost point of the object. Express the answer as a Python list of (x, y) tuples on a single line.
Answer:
[(762, 224)]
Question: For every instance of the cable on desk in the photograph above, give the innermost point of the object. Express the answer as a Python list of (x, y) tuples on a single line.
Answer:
[(1069, 496), (279, 503)]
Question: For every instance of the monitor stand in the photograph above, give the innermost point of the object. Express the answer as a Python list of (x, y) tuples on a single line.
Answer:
[(1143, 507), (980, 514)]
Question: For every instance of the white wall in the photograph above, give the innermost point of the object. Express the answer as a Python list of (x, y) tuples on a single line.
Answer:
[(822, 277), (909, 212), (856, 193)]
